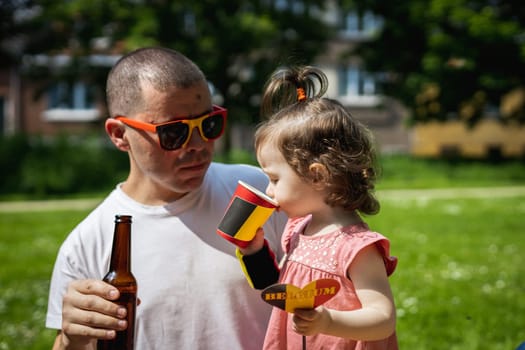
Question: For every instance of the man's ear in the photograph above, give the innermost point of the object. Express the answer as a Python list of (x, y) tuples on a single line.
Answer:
[(116, 131), (318, 174)]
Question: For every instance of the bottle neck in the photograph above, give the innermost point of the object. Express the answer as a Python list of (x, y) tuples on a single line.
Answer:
[(120, 254)]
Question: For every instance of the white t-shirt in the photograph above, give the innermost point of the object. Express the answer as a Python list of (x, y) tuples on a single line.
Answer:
[(192, 290)]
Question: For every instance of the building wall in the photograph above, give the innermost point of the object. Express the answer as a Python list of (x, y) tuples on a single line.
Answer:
[(34, 121), (455, 138), (6, 113)]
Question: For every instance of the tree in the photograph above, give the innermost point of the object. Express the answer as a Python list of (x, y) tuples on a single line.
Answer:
[(449, 59), (237, 43), (12, 30)]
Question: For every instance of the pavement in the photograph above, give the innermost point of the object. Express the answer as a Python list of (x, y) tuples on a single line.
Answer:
[(48, 205), (448, 193), (389, 195)]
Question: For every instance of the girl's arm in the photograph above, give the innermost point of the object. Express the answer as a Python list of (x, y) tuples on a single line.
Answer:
[(374, 321), (258, 262)]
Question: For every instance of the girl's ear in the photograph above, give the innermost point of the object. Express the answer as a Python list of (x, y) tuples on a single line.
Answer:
[(319, 174), (116, 131)]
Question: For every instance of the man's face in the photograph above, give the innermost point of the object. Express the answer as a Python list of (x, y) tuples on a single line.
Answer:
[(168, 174)]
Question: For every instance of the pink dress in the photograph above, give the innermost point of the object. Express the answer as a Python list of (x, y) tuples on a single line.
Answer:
[(325, 256)]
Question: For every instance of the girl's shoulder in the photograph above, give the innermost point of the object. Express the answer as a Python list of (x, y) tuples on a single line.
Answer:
[(293, 227), (360, 236)]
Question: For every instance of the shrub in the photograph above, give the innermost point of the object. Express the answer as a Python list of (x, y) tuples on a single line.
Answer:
[(43, 167)]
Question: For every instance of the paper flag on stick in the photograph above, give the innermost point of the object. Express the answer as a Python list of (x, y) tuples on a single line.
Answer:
[(289, 297)]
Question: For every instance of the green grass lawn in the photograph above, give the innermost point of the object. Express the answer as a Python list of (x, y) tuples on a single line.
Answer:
[(459, 283), (460, 280), (28, 246)]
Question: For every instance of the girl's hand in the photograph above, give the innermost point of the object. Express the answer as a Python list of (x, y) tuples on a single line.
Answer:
[(255, 244), (311, 321), (375, 320)]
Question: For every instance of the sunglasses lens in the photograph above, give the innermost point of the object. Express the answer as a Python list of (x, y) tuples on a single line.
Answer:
[(212, 126), (173, 136)]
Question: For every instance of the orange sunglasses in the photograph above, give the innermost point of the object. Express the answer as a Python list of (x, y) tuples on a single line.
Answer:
[(176, 134)]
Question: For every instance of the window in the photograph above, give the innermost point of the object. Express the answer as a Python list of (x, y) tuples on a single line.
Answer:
[(356, 86), (189, 23), (70, 96), (355, 82), (295, 6), (71, 102), (360, 26), (2, 114)]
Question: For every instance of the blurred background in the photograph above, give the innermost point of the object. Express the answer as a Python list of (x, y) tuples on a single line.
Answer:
[(432, 79), (441, 84)]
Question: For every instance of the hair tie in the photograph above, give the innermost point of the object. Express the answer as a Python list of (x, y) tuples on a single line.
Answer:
[(364, 173), (301, 95)]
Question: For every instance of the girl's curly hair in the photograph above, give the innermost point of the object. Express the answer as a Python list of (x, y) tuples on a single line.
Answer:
[(319, 130)]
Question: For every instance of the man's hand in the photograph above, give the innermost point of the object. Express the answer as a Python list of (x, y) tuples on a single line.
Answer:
[(88, 313)]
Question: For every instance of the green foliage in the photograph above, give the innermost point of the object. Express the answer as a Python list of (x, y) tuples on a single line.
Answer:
[(469, 53), (40, 167), (236, 43)]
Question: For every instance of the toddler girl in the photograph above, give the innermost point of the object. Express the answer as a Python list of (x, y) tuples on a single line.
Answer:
[(320, 163)]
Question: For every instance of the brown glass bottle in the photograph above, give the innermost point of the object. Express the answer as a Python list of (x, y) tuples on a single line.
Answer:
[(120, 276)]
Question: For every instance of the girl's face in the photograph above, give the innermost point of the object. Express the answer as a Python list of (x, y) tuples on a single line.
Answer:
[(295, 196)]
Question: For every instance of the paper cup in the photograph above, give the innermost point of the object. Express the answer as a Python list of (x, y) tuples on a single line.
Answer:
[(248, 210)]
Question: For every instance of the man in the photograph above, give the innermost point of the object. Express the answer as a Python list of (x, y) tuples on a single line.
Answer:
[(192, 292)]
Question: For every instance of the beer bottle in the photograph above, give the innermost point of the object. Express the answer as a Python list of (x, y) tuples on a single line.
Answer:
[(120, 276)]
